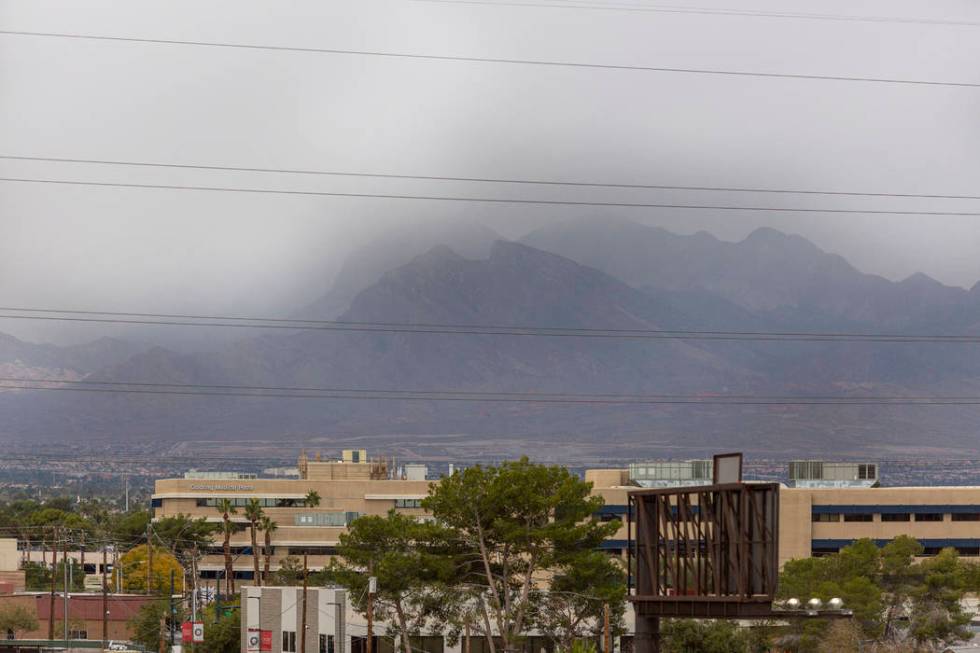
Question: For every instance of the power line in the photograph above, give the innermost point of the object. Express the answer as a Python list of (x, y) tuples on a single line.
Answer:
[(492, 60), (490, 180), (486, 200), (741, 13), (171, 319), (201, 390)]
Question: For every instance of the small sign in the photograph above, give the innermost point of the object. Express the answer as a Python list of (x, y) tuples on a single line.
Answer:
[(252, 642), (727, 468), (197, 632), (186, 631), (266, 640)]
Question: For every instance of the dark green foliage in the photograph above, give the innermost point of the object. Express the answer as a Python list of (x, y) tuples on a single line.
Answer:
[(894, 597), (692, 636), (412, 562), (221, 635), (510, 524)]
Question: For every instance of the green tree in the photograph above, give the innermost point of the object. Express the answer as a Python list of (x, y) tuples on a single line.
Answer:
[(712, 636), (574, 605), (17, 619), (227, 508), (133, 568), (408, 559), (268, 528), (893, 596), (182, 534), (312, 499), (254, 514), (221, 635), (515, 523), (937, 617), (147, 622), (290, 572)]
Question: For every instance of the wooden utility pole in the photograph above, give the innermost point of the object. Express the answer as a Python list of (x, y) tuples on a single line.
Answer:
[(302, 632), (54, 575), (65, 565), (606, 632), (372, 587), (149, 560), (163, 627), (105, 600), (466, 642)]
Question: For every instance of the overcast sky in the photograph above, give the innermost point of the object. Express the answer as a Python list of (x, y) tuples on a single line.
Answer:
[(157, 250)]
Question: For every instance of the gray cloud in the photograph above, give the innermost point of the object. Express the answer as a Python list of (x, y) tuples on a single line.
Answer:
[(170, 251)]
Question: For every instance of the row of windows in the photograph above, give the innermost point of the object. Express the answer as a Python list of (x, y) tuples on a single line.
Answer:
[(241, 502), (927, 551), (334, 519), (408, 503), (893, 516)]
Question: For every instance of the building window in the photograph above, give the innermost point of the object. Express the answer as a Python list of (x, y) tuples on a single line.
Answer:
[(867, 472), (966, 516), (313, 550), (860, 516), (896, 516), (408, 503), (77, 634), (928, 516), (288, 641), (826, 516), (326, 644)]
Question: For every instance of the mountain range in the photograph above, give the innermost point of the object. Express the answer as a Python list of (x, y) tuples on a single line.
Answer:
[(598, 274)]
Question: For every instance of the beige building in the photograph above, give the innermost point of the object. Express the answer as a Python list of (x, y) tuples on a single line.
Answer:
[(814, 520), (347, 488), (821, 520)]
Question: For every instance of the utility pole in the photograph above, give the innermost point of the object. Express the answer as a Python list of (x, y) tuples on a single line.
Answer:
[(466, 642), (372, 588), (173, 608), (105, 600), (149, 559), (54, 575), (64, 564), (127, 493), (163, 641), (607, 634), (302, 632)]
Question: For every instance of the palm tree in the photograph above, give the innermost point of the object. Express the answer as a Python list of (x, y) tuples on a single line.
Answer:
[(226, 508), (254, 513), (312, 499), (268, 526)]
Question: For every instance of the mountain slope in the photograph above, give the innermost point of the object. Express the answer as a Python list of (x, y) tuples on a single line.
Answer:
[(784, 276)]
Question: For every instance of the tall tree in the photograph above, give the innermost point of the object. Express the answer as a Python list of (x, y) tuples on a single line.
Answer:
[(409, 560), (516, 522), (896, 600), (227, 508), (254, 514), (573, 607), (268, 528)]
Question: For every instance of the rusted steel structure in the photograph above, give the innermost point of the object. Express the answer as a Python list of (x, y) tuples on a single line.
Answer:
[(706, 552)]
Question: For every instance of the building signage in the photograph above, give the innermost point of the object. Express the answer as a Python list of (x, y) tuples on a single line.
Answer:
[(197, 632), (252, 641), (214, 487), (265, 640)]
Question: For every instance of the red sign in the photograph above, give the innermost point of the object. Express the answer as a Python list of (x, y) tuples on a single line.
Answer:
[(265, 640), (187, 631)]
